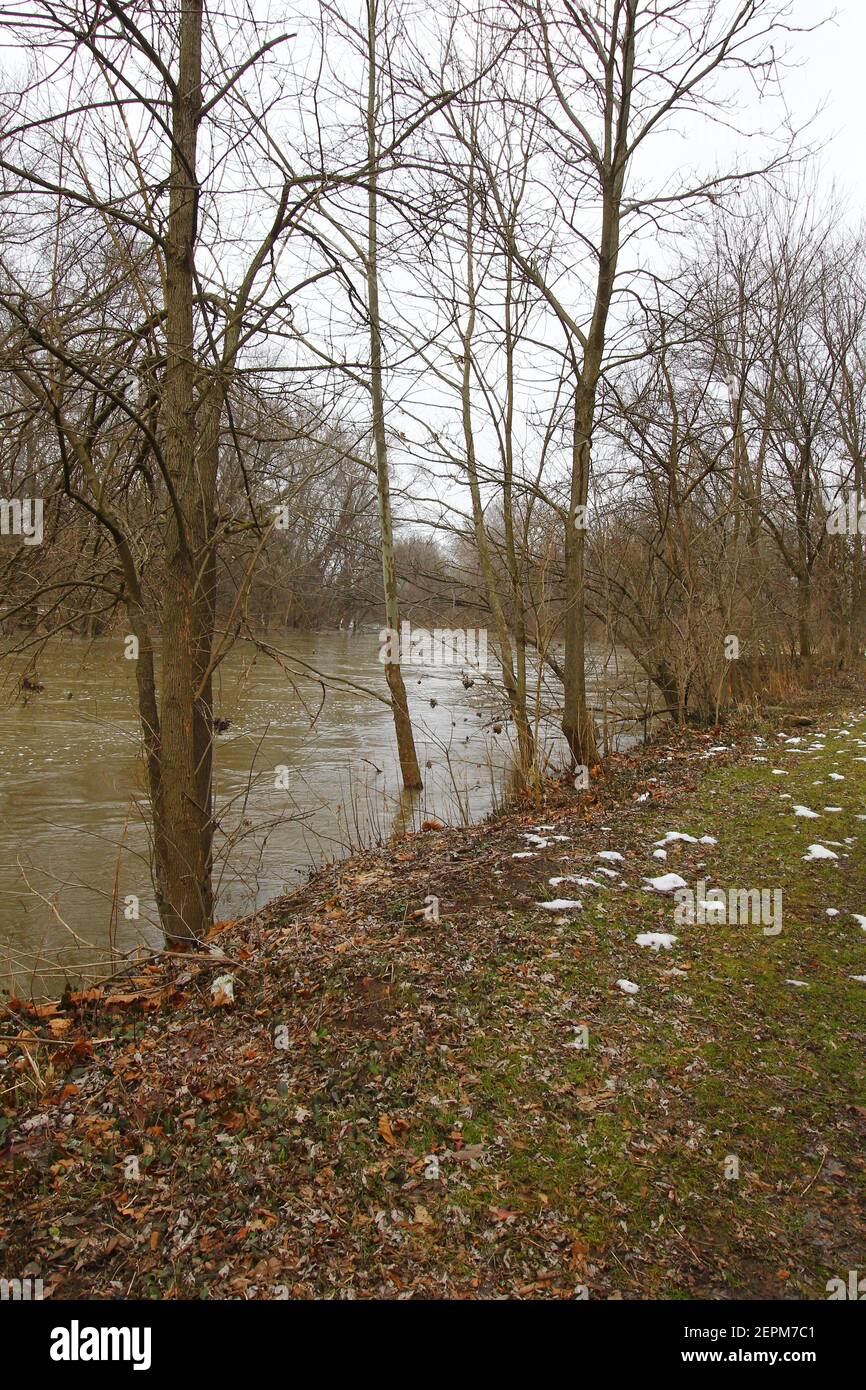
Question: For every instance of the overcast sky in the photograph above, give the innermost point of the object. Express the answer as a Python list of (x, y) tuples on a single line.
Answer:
[(833, 72)]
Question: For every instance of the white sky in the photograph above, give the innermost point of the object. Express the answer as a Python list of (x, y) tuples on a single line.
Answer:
[(832, 73)]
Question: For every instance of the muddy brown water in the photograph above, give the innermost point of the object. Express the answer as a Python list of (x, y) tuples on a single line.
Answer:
[(73, 839)]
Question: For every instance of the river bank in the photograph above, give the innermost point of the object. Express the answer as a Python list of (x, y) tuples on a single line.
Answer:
[(305, 773), (416, 1076)]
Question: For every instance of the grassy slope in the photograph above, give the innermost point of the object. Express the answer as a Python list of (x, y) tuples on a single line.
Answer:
[(559, 1168), (728, 1060)]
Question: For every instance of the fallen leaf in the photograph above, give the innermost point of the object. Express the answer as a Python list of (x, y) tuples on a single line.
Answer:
[(386, 1131)]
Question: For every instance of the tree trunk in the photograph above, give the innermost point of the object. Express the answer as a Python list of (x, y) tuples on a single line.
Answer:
[(393, 672), (578, 726), (183, 820), (804, 605)]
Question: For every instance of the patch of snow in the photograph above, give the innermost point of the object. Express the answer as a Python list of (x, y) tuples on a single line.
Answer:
[(666, 883), (222, 989), (611, 855), (656, 940), (629, 987), (560, 904), (580, 879), (819, 852), (806, 813)]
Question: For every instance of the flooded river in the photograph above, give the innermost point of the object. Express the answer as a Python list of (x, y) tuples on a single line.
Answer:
[(73, 840)]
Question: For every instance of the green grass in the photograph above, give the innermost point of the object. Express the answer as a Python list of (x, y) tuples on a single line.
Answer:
[(606, 1168), (726, 1061)]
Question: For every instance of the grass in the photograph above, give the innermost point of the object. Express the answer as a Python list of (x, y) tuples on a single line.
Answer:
[(707, 1142)]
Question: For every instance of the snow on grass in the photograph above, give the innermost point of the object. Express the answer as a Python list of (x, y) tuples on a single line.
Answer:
[(806, 813), (523, 854), (673, 835), (832, 912), (561, 905), (580, 879), (860, 920), (629, 986), (660, 854), (666, 883), (656, 940), (537, 840), (819, 852), (611, 855)]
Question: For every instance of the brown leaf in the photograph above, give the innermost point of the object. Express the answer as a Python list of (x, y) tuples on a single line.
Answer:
[(386, 1131)]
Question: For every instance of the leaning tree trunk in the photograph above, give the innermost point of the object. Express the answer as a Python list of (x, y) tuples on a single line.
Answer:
[(393, 672), (513, 679)]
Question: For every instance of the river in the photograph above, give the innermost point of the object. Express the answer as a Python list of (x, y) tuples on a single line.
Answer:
[(73, 839)]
